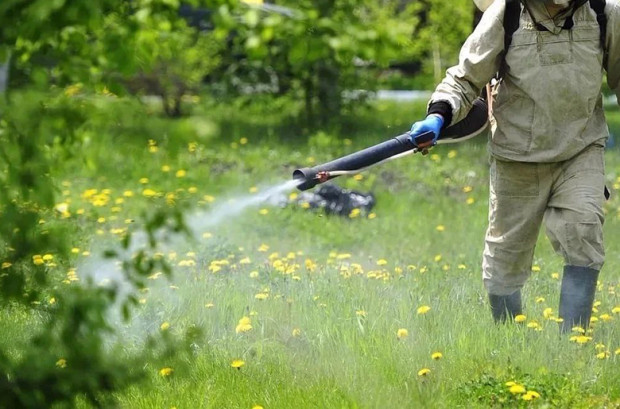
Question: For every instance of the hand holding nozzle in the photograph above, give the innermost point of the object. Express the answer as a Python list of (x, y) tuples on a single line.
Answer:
[(424, 134)]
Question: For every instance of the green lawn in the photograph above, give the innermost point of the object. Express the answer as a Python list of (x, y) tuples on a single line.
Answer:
[(370, 311)]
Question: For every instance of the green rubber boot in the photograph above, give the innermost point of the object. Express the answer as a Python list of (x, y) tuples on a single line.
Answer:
[(577, 297), (505, 307)]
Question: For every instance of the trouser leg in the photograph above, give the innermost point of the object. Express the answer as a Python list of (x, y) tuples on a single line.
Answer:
[(574, 224), (517, 201)]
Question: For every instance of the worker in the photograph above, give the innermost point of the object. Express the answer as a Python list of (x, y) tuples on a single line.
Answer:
[(547, 140)]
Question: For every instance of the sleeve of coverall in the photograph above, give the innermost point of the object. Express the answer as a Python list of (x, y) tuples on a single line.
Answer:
[(613, 47), (479, 61)]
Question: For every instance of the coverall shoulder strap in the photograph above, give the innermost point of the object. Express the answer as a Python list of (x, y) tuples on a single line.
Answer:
[(512, 15), (599, 8)]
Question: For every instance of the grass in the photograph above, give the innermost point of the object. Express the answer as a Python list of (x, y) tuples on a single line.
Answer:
[(325, 296)]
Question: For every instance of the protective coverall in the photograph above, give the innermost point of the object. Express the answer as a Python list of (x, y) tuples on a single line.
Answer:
[(548, 133)]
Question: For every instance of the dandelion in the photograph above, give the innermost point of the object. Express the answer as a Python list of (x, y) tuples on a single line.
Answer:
[(424, 372), (263, 248), (382, 262), (440, 228), (296, 332), (261, 296), (402, 333), (606, 317), (437, 258), (603, 355), (361, 313), (452, 154), (436, 356), (555, 276), (166, 371), (358, 177), (530, 395), (253, 189), (470, 200), (354, 213), (580, 339), (616, 310), (257, 407), (253, 274), (149, 193), (617, 351), (520, 318), (536, 268), (372, 216), (540, 300), (37, 260), (548, 313), (61, 363), (534, 325), (423, 309), (164, 326), (263, 212), (244, 325), (516, 389), (181, 173), (467, 189), (237, 363)]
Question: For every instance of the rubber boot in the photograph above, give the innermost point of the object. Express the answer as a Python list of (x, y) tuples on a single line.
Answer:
[(577, 297), (504, 307)]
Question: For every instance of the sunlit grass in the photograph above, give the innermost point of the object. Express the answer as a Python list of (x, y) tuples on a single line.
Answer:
[(301, 309)]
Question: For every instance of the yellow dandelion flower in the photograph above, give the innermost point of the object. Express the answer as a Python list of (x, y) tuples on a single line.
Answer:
[(548, 313), (616, 310), (358, 177), (253, 189), (372, 216), (467, 189), (244, 325), (555, 276), (536, 268), (516, 389), (257, 407), (441, 227), (381, 262), (582, 339), (423, 309), (263, 212), (402, 333), (603, 355), (181, 173), (606, 317), (530, 395), (253, 274), (296, 332), (534, 325), (578, 329), (237, 363), (166, 371), (617, 351), (510, 383), (37, 260), (520, 318), (164, 326), (437, 258), (470, 200), (354, 213), (452, 154), (263, 248), (360, 313), (61, 363), (149, 193), (436, 356), (540, 300), (261, 296), (424, 372)]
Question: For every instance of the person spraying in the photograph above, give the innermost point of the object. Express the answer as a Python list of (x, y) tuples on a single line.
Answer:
[(548, 134)]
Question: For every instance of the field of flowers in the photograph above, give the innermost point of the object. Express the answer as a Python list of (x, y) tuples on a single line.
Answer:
[(289, 307)]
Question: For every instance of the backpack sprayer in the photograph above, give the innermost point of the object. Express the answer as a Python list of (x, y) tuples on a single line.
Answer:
[(474, 123)]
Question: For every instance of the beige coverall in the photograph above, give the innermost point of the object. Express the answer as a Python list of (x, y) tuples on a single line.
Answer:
[(548, 134)]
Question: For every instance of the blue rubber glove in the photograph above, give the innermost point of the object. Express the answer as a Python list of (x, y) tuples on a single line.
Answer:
[(432, 123)]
